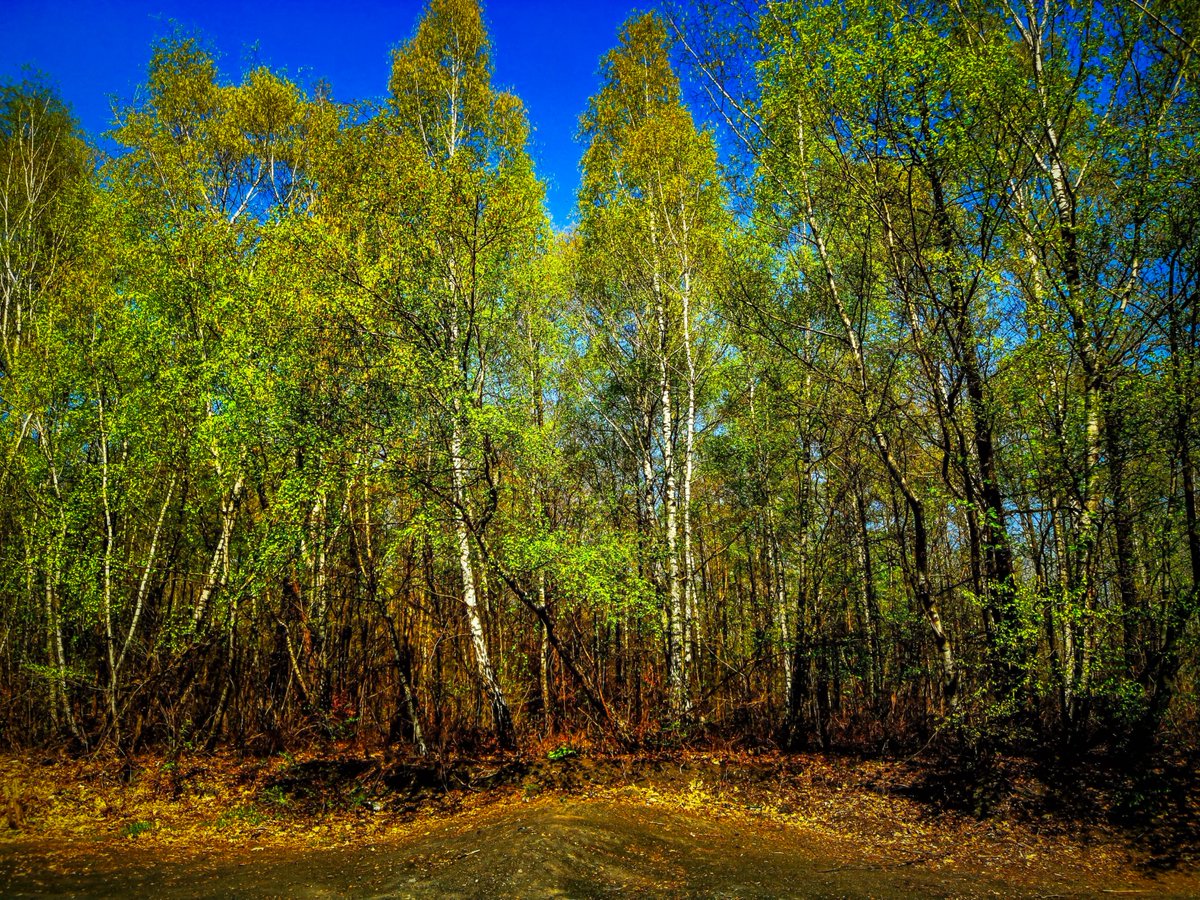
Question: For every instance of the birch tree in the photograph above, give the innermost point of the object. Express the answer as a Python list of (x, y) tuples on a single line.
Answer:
[(651, 220)]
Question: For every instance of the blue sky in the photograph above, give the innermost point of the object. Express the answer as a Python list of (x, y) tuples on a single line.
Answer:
[(547, 51)]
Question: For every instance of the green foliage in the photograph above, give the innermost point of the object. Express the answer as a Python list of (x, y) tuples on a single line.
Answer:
[(246, 814), (276, 796), (888, 391), (136, 829)]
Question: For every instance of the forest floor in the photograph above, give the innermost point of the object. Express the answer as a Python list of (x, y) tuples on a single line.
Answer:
[(571, 822)]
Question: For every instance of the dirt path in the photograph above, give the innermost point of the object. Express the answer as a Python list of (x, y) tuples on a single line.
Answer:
[(553, 847)]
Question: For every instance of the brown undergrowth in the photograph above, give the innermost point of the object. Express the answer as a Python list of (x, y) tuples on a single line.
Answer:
[(1040, 822)]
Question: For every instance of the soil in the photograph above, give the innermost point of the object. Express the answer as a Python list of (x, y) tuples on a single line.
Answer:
[(575, 826), (547, 848)]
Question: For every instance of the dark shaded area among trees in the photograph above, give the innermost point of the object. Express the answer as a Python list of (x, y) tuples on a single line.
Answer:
[(863, 417)]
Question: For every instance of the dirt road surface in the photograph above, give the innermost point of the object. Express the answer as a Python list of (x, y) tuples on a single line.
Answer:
[(554, 847)]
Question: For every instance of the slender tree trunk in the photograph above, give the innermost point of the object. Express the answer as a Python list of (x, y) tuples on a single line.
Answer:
[(1123, 525), (501, 716), (690, 632), (1000, 589), (546, 659), (870, 600), (923, 587), (1063, 195), (676, 662), (218, 565), (788, 637), (109, 539), (53, 576), (144, 582)]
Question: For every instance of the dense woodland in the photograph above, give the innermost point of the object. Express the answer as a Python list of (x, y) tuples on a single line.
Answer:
[(864, 415)]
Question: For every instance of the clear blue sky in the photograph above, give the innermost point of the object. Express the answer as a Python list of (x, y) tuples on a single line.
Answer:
[(547, 51)]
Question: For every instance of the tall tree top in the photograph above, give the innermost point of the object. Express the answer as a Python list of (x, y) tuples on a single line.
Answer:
[(441, 86), (637, 79), (642, 141)]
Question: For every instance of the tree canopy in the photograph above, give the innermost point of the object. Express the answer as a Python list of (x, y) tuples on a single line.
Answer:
[(860, 405)]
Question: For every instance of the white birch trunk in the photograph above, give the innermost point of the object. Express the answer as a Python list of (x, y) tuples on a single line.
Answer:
[(483, 663), (676, 674), (218, 565), (690, 625)]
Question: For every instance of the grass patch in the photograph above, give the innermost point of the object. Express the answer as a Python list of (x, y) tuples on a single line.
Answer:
[(136, 829), (246, 814), (561, 752)]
